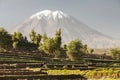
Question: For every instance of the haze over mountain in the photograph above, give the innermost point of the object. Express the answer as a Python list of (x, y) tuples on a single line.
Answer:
[(49, 21)]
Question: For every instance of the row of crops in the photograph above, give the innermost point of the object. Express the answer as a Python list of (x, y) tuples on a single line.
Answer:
[(15, 66)]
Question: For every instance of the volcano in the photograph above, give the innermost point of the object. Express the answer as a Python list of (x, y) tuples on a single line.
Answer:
[(48, 22)]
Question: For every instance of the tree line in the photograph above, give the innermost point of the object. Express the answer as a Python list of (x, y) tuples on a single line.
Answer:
[(74, 50)]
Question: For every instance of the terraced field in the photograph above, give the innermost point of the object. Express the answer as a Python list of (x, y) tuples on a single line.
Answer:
[(34, 66)]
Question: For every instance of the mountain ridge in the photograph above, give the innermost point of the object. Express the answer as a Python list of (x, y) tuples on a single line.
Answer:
[(49, 21)]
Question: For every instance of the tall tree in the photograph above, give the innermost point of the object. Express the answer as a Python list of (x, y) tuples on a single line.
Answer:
[(85, 48), (91, 50), (35, 38), (48, 46), (17, 38), (5, 39), (51, 46), (74, 50), (57, 39), (32, 36), (44, 37), (115, 53)]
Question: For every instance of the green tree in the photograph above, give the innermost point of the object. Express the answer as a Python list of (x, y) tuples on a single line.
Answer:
[(91, 50), (15, 44), (20, 42), (17, 38), (35, 38), (44, 37), (5, 39), (115, 53), (48, 46), (32, 35), (57, 40), (74, 50), (64, 47), (51, 46), (85, 49)]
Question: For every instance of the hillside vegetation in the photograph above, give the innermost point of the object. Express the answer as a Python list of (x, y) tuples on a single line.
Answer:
[(22, 57)]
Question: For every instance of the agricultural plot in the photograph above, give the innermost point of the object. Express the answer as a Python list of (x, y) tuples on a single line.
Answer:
[(26, 66)]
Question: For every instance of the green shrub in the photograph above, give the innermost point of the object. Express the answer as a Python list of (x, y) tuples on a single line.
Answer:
[(2, 50)]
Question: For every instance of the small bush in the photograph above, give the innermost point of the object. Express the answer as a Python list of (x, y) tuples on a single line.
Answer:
[(2, 50)]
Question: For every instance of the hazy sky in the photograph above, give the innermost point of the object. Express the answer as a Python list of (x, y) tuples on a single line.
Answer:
[(102, 15)]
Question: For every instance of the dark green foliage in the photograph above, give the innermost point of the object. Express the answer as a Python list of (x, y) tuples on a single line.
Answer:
[(44, 37), (91, 50), (58, 38), (15, 44), (17, 38), (5, 39), (85, 48), (48, 46), (65, 47), (115, 53), (51, 46), (74, 50), (35, 38), (2, 50), (32, 36), (21, 43)]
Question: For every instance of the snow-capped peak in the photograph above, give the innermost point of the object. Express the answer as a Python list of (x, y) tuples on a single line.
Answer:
[(60, 14), (48, 22), (49, 13)]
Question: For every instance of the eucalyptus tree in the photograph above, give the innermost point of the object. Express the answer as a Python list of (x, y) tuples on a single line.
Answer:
[(5, 39), (75, 50)]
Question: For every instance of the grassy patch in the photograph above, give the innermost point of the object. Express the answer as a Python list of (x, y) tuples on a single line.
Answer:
[(64, 72), (103, 73)]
